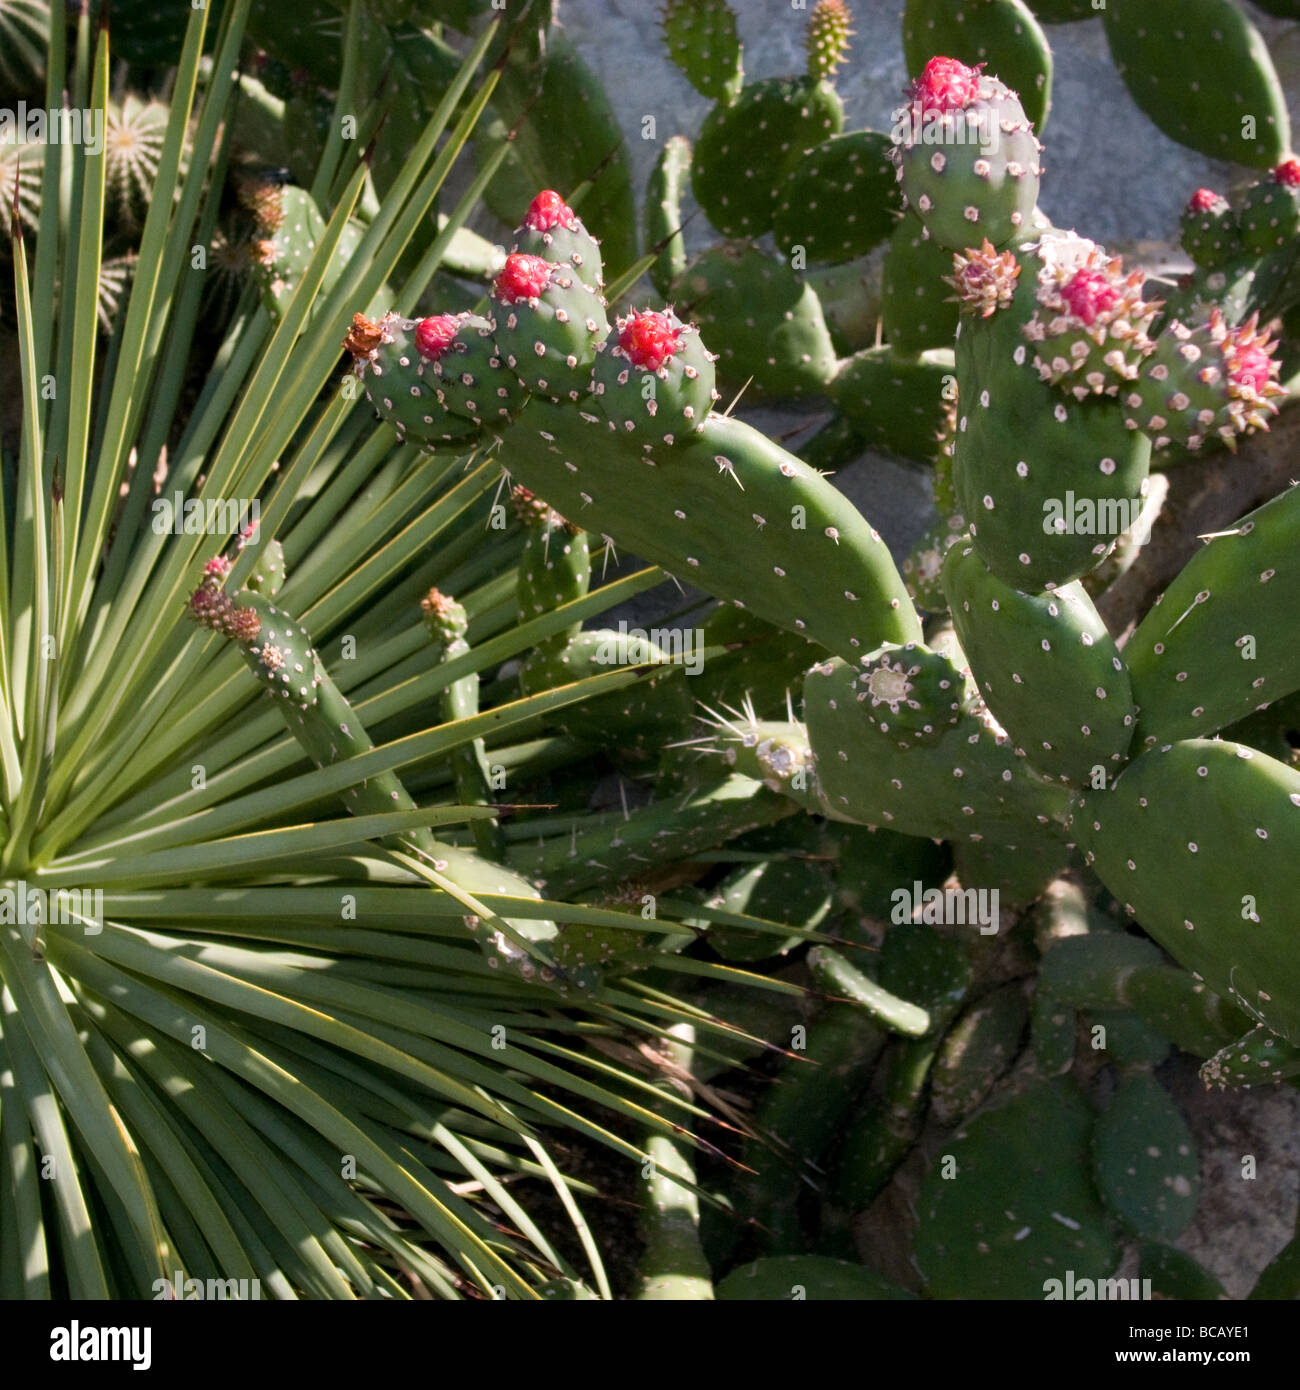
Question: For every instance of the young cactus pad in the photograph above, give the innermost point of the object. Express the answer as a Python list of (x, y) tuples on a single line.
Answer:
[(966, 156)]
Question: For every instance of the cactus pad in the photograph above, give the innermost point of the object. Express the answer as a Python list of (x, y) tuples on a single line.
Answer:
[(1047, 666), (1144, 1160), (1019, 1208), (966, 156), (911, 694), (1201, 841), (654, 375)]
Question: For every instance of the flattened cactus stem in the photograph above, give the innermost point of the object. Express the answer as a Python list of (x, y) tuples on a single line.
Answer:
[(673, 1265), (447, 624)]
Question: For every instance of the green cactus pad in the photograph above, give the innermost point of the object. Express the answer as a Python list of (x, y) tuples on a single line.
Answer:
[(765, 666), (661, 224), (781, 1278), (1144, 1159), (269, 572), (978, 1049), (970, 783), (919, 963), (1260, 1058), (554, 569), (1127, 1038), (745, 149), (1201, 840), (895, 402), (836, 975), (1270, 216), (1019, 873), (547, 326), (796, 891), (827, 38), (588, 954), (281, 654), (1205, 380), (934, 971), (911, 695), (1020, 1209), (1046, 665), (700, 507), (810, 1097), (1209, 231), (1196, 91), (282, 257), (400, 385), (839, 201), (764, 321), (702, 41), (1109, 970), (1047, 483), (885, 1131), (1001, 33), (1220, 641), (916, 303), (445, 620), (654, 376), (967, 159), (458, 356), (871, 865), (1052, 1030)]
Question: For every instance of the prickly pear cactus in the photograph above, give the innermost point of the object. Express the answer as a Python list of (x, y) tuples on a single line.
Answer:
[(1200, 840), (1145, 1161), (1009, 1204), (966, 156), (1197, 91), (1002, 33), (654, 375)]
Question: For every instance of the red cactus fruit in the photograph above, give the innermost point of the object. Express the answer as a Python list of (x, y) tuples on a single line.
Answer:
[(549, 210), (946, 85), (217, 567), (1089, 293), (522, 277), (1288, 173), (1206, 200), (649, 339), (433, 336)]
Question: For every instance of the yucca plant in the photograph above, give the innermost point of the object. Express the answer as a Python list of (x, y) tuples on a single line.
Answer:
[(244, 1033)]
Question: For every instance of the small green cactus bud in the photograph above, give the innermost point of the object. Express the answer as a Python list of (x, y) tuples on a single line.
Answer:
[(828, 37), (444, 617)]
